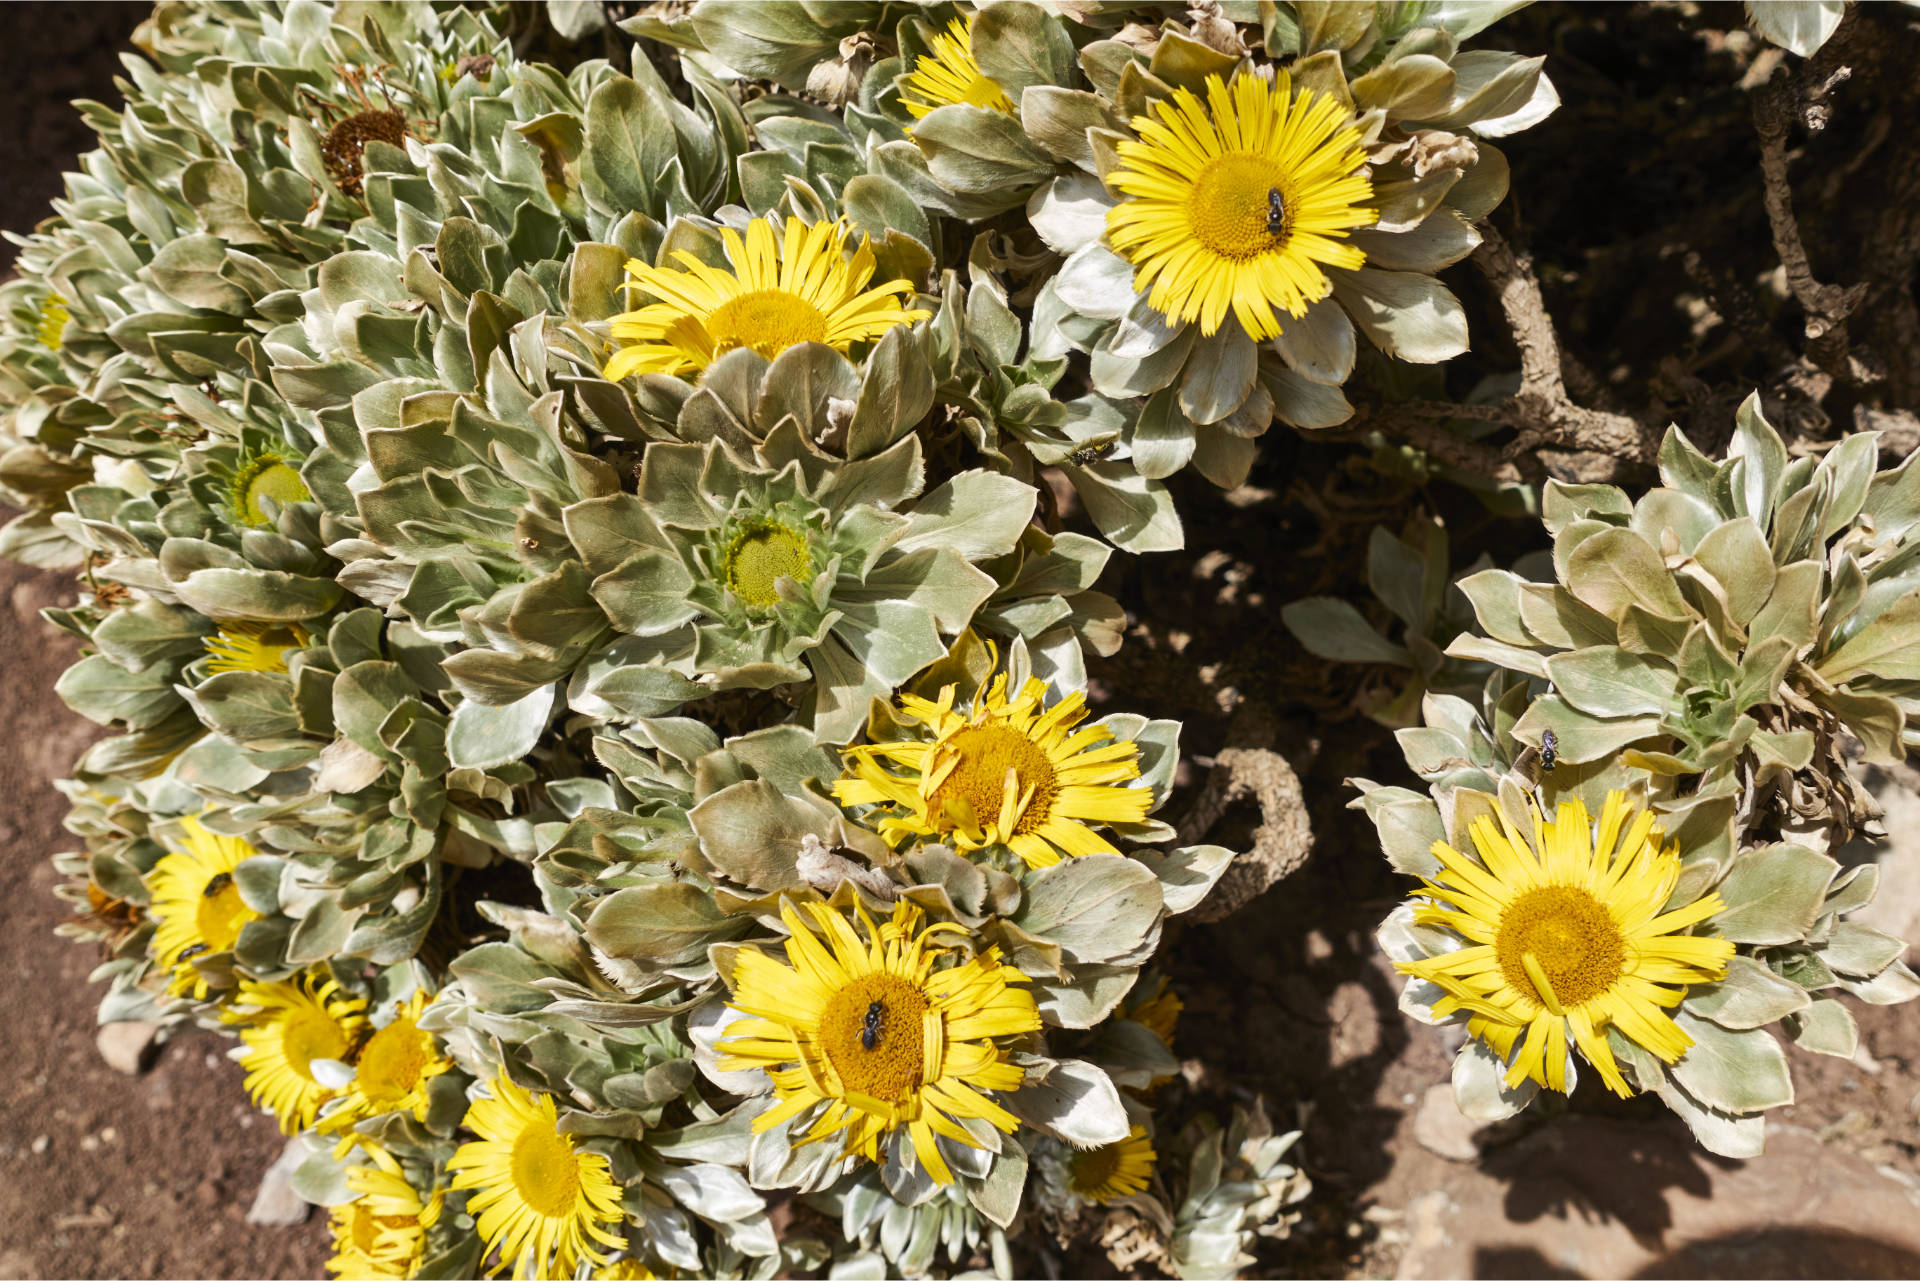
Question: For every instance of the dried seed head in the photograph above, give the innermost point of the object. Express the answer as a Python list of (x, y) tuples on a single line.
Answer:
[(347, 140)]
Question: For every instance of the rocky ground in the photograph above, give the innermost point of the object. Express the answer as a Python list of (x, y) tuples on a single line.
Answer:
[(149, 1165)]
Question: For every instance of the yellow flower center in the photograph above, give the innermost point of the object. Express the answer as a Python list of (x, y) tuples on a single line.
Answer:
[(874, 1034), (979, 781), (53, 321), (1091, 1169), (1571, 939), (390, 1064), (269, 478), (546, 1171), (767, 320), (760, 556), (1231, 208), (310, 1034), (220, 913)]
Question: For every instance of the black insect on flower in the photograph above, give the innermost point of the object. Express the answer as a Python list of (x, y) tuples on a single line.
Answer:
[(1549, 746), (870, 1030)]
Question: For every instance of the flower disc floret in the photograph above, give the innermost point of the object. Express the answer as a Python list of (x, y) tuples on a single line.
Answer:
[(542, 1204), (1568, 935), (1241, 203), (1010, 772), (895, 1032), (801, 287)]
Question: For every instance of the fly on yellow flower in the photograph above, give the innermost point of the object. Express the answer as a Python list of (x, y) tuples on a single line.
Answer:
[(892, 1033), (290, 1027), (1238, 204), (1568, 936), (196, 907), (391, 1072), (542, 1204), (781, 292), (1113, 1170), (254, 647), (382, 1233), (950, 75), (1010, 772)]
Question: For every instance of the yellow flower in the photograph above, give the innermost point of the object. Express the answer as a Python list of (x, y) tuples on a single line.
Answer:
[(290, 1026), (267, 476), (53, 321), (254, 647), (382, 1232), (950, 75), (1237, 205), (1007, 773), (1158, 1012), (540, 1202), (390, 1074), (197, 909), (893, 1033), (1568, 939), (1113, 1170), (627, 1269), (778, 294)]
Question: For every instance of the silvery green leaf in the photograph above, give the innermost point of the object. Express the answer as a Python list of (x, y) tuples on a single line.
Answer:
[(1733, 1071), (1070, 212), (1607, 681), (1408, 824), (1076, 1103), (1335, 630), (997, 1197), (1825, 1027), (1163, 437), (1020, 45), (1134, 513), (981, 153), (1187, 874), (1479, 1089), (752, 834), (1773, 894), (1725, 1134), (1440, 239), (1613, 568), (1058, 119), (482, 737), (1892, 986), (1416, 85), (1750, 996), (1582, 738), (1220, 374), (1091, 994), (1096, 282), (1800, 26), (1407, 315), (1888, 647), (1464, 18), (1095, 909), (1860, 950), (978, 514), (1318, 346)]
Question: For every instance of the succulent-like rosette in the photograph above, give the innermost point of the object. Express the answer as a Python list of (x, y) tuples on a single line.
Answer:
[(1012, 770), (1566, 934), (542, 1203), (288, 1028), (1237, 204), (949, 74), (196, 906), (897, 1032), (749, 577), (799, 288), (382, 1232)]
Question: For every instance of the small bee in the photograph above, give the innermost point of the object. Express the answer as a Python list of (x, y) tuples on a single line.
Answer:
[(1276, 213), (1090, 453), (217, 884), (870, 1030), (190, 951), (1549, 745)]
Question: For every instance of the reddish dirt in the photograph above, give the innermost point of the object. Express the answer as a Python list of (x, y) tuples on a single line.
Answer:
[(103, 1175)]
